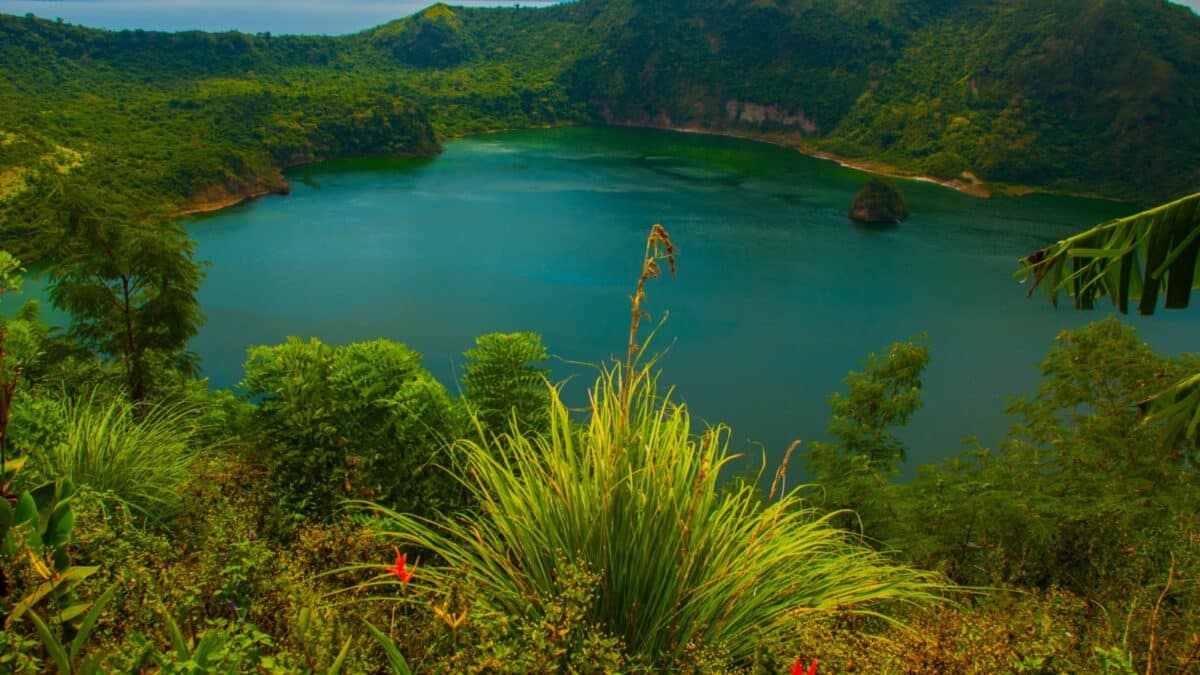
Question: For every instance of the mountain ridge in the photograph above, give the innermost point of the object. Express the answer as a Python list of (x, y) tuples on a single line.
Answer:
[(1070, 95)]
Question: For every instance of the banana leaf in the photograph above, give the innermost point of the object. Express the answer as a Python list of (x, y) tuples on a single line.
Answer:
[(1146, 255)]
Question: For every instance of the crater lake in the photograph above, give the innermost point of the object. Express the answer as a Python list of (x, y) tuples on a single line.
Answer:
[(777, 295)]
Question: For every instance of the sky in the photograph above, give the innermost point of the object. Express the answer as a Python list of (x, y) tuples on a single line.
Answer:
[(251, 16)]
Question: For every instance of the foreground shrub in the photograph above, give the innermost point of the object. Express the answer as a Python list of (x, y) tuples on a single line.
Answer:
[(136, 459), (632, 495), (362, 420)]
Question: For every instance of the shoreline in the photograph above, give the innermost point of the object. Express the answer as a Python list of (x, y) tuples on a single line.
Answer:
[(209, 206), (974, 187)]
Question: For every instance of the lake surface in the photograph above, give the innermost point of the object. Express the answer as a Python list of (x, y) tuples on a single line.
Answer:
[(778, 295)]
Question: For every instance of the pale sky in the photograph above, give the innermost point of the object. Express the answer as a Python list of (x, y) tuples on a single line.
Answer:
[(251, 16)]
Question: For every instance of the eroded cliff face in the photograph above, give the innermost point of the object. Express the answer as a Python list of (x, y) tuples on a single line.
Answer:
[(732, 116), (756, 114)]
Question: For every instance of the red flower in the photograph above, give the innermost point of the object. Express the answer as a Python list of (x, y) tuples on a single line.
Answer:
[(399, 569), (798, 668)]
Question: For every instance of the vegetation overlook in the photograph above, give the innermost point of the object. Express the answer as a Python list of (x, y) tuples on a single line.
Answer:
[(348, 513)]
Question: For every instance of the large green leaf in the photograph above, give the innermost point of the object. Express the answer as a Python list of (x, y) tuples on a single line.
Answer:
[(395, 658), (52, 644), (1148, 254), (62, 582)]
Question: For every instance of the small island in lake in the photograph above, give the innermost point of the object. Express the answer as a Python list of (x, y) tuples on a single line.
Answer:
[(878, 202)]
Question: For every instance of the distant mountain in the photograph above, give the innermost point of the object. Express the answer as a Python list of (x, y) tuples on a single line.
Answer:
[(1080, 95), (1092, 96)]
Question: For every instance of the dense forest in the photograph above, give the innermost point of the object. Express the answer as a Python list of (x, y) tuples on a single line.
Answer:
[(344, 511)]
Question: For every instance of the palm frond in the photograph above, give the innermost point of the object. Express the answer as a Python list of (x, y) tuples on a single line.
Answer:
[(1155, 252), (1145, 255)]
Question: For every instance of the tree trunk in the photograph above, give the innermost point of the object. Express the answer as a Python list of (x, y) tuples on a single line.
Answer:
[(133, 365)]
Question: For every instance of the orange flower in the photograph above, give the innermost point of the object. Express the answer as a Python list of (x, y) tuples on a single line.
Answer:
[(798, 668), (399, 568)]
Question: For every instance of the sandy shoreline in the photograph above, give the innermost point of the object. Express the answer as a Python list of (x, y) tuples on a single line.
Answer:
[(975, 187)]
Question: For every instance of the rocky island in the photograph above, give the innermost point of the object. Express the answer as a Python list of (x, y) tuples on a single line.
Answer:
[(878, 203)]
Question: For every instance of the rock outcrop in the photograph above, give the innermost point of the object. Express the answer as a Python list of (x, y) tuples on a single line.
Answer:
[(878, 202)]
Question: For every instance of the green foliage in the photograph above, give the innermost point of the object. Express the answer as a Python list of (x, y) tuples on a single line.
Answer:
[(395, 659), (217, 573), (503, 382), (433, 38), (1138, 255), (38, 582), (10, 273), (18, 655), (39, 523), (1084, 495), (130, 286), (361, 420), (221, 648), (67, 656), (136, 458), (856, 471), (560, 636), (880, 398), (634, 496)]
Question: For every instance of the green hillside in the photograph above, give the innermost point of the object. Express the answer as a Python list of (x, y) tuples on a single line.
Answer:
[(1071, 95)]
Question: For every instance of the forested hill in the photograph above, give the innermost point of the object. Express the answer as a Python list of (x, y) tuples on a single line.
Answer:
[(1080, 95), (1091, 96)]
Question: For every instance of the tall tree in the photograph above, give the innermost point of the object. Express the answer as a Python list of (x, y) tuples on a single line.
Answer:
[(130, 284)]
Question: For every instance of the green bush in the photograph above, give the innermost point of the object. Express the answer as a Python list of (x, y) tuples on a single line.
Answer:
[(361, 420), (503, 383)]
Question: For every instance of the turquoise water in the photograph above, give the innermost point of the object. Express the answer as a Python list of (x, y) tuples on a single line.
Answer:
[(777, 296)]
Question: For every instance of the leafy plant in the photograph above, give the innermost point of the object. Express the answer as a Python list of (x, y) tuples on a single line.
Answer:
[(395, 659), (360, 420), (66, 657), (129, 285), (36, 534), (1157, 250), (855, 473), (37, 531), (10, 280), (502, 382)]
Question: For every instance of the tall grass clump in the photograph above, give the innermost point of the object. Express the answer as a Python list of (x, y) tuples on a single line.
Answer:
[(680, 562), (135, 456)]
